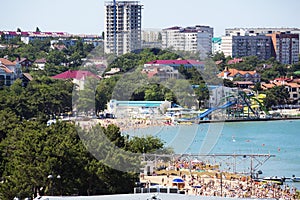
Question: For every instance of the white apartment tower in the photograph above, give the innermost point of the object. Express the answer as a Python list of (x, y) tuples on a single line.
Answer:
[(196, 39), (122, 26)]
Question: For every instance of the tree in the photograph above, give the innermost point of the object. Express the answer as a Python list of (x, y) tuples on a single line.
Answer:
[(8, 121), (42, 96), (104, 92), (228, 83), (277, 95), (257, 87), (37, 151), (86, 96), (147, 144), (202, 94), (153, 93), (57, 57), (32, 151), (37, 30), (159, 37)]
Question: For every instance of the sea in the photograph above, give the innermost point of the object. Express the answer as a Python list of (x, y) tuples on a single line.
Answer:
[(280, 139)]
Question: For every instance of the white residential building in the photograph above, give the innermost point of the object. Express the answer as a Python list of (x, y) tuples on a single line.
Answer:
[(216, 45), (195, 39), (255, 31), (151, 35), (122, 26), (226, 45), (151, 38)]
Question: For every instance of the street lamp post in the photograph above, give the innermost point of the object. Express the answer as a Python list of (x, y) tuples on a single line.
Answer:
[(51, 184), (221, 183), (59, 184), (50, 177)]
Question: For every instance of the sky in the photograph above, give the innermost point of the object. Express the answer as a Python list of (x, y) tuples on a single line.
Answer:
[(87, 16)]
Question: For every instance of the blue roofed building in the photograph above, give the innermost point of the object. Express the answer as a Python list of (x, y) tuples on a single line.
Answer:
[(137, 109)]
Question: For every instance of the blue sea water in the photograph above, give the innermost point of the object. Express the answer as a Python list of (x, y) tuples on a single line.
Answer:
[(280, 138)]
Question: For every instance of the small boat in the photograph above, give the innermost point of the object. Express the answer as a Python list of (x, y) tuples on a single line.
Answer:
[(273, 179), (295, 179)]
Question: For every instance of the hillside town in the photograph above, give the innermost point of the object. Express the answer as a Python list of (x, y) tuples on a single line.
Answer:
[(59, 90)]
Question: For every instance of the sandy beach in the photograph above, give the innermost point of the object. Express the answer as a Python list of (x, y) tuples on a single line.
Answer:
[(215, 186)]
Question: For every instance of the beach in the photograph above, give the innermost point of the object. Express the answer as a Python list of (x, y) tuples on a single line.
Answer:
[(215, 186), (279, 137)]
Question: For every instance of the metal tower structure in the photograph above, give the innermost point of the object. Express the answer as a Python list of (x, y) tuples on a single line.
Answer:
[(227, 162)]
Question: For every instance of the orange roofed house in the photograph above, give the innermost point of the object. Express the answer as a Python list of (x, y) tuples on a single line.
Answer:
[(9, 72), (246, 76), (291, 85)]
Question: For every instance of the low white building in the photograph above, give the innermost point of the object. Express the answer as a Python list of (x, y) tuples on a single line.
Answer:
[(40, 64), (137, 109)]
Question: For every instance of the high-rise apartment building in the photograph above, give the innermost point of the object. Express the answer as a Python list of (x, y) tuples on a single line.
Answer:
[(259, 46), (196, 39), (238, 46), (286, 46), (281, 43), (122, 26), (259, 31)]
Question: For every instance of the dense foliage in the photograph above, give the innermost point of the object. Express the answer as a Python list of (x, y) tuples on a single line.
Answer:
[(31, 151), (43, 98)]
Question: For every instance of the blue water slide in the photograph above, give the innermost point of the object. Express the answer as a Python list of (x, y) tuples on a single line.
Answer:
[(207, 112), (228, 104), (210, 110)]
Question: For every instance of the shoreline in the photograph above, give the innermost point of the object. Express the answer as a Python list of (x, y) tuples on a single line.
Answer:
[(249, 120), (134, 124)]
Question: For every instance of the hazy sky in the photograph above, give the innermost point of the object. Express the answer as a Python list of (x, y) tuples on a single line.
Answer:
[(87, 16)]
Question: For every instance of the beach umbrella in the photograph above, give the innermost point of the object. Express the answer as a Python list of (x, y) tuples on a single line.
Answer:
[(178, 180), (195, 161), (197, 186)]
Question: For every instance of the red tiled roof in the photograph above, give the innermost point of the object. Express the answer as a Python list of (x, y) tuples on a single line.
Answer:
[(151, 74), (20, 61), (176, 62), (243, 82), (6, 69), (235, 60), (282, 79), (293, 85), (41, 60), (267, 85), (233, 72), (76, 74), (28, 76), (218, 62), (6, 62)]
